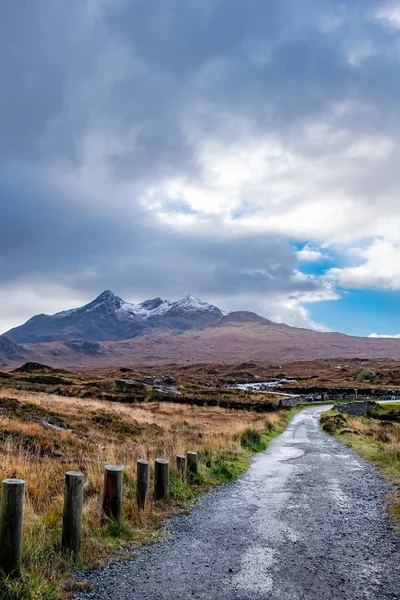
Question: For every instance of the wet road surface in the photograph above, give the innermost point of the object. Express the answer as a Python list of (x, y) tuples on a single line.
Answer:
[(306, 522)]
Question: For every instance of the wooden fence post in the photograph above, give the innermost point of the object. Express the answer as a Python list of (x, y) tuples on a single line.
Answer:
[(112, 496), (193, 465), (72, 519), (142, 483), (161, 479), (181, 466), (11, 524)]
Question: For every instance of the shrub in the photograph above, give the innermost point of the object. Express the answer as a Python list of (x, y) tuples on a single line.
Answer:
[(366, 376), (107, 385)]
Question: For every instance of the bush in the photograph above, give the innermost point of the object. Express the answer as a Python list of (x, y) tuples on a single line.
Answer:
[(366, 376), (107, 385)]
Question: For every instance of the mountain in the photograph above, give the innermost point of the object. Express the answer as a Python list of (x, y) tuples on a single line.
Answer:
[(111, 332), (10, 351), (108, 317)]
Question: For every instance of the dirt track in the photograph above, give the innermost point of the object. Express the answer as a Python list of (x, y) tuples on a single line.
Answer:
[(306, 522)]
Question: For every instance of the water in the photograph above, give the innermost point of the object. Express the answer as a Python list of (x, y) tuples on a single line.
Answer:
[(263, 386)]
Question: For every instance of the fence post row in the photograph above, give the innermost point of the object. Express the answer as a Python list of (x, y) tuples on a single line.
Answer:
[(112, 495), (12, 517), (142, 483), (13, 498), (72, 518)]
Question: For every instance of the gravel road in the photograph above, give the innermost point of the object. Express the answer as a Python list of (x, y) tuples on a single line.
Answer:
[(306, 522)]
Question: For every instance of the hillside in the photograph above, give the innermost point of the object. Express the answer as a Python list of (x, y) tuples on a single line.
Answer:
[(109, 331), (234, 342)]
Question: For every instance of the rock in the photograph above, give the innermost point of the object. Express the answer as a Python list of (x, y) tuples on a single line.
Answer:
[(357, 408), (170, 380)]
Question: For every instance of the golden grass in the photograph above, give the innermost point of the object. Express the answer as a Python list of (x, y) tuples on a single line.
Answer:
[(100, 433)]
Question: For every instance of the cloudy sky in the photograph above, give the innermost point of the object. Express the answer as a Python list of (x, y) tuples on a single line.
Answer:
[(245, 151)]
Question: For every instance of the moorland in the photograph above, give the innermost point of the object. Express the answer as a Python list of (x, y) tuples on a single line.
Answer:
[(55, 420)]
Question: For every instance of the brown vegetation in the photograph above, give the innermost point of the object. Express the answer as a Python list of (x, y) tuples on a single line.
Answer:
[(56, 420), (126, 385), (329, 372), (42, 435)]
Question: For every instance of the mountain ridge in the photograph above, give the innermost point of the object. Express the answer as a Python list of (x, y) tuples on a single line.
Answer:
[(110, 318), (108, 331)]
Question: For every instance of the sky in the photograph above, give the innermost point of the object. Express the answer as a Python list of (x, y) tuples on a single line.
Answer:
[(243, 151)]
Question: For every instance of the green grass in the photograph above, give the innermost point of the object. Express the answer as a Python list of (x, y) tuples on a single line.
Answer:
[(180, 492), (225, 468), (26, 588), (252, 441), (272, 432), (387, 408), (114, 534)]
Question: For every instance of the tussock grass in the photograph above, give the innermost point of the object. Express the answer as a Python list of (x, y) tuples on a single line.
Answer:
[(43, 435)]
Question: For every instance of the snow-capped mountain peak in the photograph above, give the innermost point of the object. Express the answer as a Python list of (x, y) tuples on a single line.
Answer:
[(107, 300), (157, 307), (147, 309), (191, 302), (108, 296), (109, 317)]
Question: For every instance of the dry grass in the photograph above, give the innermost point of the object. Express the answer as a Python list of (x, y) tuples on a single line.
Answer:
[(96, 433)]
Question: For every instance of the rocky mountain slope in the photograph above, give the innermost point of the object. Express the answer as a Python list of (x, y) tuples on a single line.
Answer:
[(110, 331), (10, 351), (108, 317)]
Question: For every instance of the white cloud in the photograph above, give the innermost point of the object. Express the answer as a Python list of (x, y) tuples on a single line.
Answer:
[(379, 268), (23, 299), (280, 308), (384, 335), (310, 254), (290, 186), (389, 13)]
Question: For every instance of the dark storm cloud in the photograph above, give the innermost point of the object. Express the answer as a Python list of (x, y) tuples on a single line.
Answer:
[(64, 73), (59, 77), (117, 85), (48, 237)]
